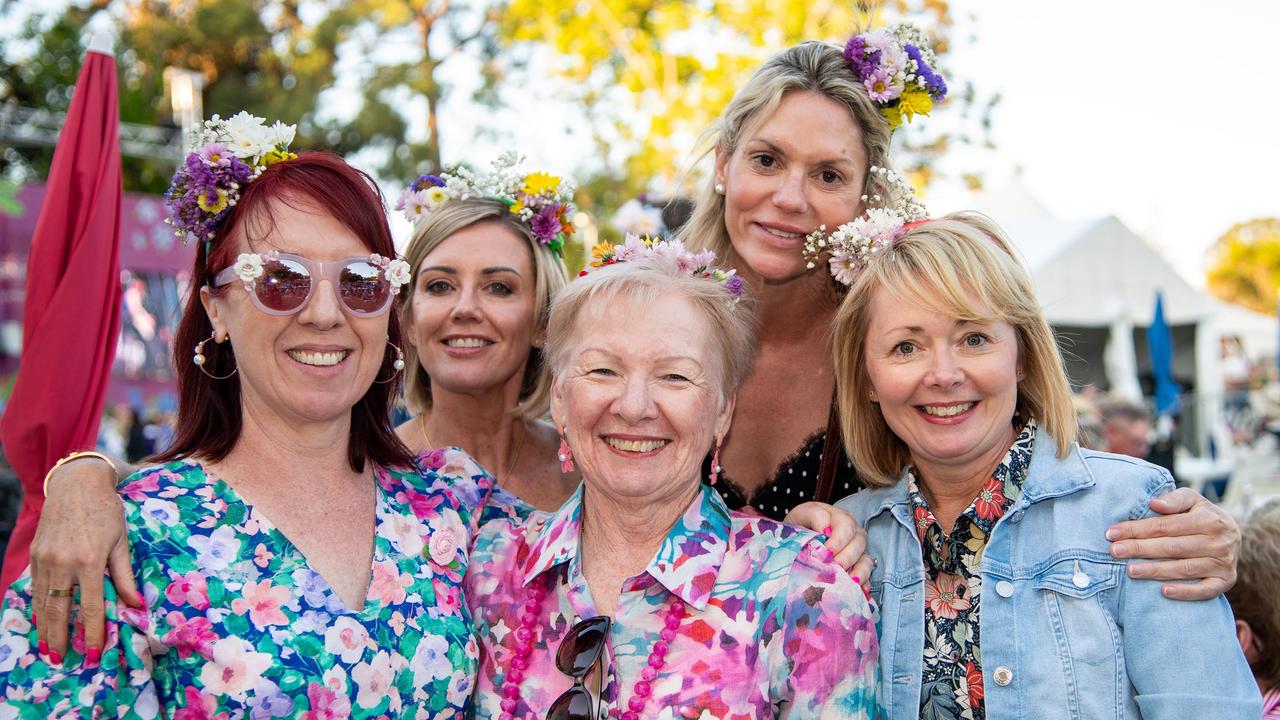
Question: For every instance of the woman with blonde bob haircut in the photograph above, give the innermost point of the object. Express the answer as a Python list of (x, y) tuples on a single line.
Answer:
[(998, 595), (974, 267)]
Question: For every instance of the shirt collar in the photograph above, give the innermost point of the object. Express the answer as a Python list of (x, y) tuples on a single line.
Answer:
[(688, 559)]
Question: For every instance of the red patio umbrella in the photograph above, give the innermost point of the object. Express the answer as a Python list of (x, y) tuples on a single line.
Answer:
[(71, 314)]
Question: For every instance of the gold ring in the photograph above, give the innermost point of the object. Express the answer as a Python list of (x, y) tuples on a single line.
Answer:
[(61, 593)]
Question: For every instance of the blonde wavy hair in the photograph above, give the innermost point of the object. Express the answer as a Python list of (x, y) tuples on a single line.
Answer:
[(549, 278), (808, 67), (951, 266)]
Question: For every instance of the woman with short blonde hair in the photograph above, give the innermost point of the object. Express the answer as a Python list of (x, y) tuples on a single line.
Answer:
[(987, 521)]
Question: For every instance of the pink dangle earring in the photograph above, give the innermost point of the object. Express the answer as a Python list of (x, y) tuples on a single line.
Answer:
[(565, 453)]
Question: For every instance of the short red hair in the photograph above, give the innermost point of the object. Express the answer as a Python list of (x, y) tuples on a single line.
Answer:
[(209, 419)]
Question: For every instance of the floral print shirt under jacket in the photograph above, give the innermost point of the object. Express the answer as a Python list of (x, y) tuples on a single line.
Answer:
[(773, 625), (951, 686), (238, 625)]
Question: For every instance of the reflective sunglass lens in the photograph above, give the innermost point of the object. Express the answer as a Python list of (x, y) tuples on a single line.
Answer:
[(575, 704), (581, 646), (284, 285), (363, 288)]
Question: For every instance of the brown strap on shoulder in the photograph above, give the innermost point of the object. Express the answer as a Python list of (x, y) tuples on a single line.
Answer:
[(832, 455)]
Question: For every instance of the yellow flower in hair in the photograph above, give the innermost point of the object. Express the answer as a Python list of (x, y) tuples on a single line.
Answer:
[(914, 102), (516, 207), (271, 157), (539, 183), (214, 206), (600, 250), (893, 116)]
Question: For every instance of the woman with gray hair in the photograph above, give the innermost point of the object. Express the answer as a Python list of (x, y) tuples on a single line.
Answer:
[(689, 605)]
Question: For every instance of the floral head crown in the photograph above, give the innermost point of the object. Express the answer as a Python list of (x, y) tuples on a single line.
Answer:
[(699, 265), (898, 69), (229, 154), (853, 245), (544, 202)]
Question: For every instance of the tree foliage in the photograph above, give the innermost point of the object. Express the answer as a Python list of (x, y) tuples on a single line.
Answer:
[(1244, 265), (274, 58), (653, 75), (365, 78)]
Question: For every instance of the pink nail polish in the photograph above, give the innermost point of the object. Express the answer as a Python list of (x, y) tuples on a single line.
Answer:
[(857, 580), (826, 530), (33, 618), (44, 647), (92, 657), (55, 657)]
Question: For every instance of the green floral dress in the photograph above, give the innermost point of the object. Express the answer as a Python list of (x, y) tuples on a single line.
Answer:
[(238, 624)]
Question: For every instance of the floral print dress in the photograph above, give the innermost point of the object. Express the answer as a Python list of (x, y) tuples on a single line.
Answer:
[(951, 686), (238, 625), (773, 627)]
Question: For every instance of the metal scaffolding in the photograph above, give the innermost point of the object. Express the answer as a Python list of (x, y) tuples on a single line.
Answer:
[(35, 127)]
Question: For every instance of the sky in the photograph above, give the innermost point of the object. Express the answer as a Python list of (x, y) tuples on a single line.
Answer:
[(1160, 113)]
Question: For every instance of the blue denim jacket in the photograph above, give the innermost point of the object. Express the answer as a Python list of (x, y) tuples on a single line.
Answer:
[(1065, 632)]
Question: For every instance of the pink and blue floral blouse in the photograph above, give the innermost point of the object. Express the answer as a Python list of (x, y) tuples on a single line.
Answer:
[(238, 625), (773, 626)]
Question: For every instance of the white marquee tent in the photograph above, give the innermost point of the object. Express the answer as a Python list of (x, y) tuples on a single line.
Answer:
[(1097, 281)]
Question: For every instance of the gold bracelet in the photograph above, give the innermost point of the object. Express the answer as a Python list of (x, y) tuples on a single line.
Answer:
[(76, 456)]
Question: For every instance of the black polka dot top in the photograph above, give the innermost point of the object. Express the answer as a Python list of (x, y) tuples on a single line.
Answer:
[(794, 482)]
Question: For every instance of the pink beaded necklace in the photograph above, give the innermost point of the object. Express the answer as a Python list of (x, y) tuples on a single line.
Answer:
[(524, 635)]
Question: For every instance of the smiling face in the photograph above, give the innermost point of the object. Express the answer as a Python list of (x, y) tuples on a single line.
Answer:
[(946, 387), (641, 396), (804, 166), (474, 309), (314, 365)]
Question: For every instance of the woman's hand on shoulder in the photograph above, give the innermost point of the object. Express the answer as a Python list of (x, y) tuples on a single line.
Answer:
[(1191, 539), (81, 535), (845, 538)]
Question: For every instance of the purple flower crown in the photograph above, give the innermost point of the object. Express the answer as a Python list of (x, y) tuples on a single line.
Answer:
[(542, 201), (229, 154), (899, 71)]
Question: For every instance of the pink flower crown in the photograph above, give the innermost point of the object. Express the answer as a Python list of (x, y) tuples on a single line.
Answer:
[(699, 265)]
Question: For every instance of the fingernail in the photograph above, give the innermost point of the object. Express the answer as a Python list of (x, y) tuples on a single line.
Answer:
[(1119, 549), (33, 617), (826, 530), (857, 580), (1112, 533), (55, 658), (92, 657), (866, 593), (44, 647)]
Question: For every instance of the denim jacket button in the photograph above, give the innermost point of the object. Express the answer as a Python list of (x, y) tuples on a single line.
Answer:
[(1004, 589), (1003, 676)]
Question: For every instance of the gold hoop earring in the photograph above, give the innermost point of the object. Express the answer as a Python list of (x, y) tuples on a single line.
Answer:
[(398, 364), (198, 359)]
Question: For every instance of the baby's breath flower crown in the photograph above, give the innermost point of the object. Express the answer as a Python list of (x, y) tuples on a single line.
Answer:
[(229, 154), (543, 202), (899, 71), (699, 265), (852, 246)]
